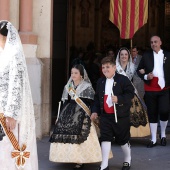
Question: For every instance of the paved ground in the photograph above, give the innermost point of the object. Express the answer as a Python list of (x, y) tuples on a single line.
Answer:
[(157, 158)]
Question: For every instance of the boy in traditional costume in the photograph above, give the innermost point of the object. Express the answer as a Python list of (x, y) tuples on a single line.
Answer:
[(112, 103)]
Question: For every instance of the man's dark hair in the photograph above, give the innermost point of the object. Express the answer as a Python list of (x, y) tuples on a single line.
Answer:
[(135, 47)]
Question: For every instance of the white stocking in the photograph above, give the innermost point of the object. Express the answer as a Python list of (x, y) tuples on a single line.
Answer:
[(153, 127), (163, 125), (127, 152), (106, 147)]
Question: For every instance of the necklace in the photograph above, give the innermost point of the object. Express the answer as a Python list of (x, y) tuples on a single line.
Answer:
[(75, 86)]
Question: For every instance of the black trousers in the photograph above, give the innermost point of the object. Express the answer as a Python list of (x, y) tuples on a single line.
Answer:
[(109, 129), (157, 105)]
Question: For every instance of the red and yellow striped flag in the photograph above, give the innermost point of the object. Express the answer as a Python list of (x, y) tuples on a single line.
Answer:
[(128, 16)]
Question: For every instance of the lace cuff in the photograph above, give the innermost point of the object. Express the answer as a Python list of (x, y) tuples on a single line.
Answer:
[(9, 114)]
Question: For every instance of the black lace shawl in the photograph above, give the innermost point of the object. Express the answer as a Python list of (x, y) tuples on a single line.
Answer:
[(73, 125)]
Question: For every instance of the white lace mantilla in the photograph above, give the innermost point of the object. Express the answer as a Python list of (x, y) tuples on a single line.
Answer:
[(84, 89), (130, 69), (15, 93)]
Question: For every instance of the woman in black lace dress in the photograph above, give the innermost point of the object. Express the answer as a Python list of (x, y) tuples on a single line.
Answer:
[(74, 138)]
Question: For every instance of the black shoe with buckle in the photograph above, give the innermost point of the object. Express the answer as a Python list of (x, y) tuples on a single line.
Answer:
[(163, 141), (126, 166), (151, 144), (78, 166), (107, 168)]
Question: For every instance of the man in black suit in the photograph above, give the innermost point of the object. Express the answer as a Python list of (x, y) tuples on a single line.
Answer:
[(113, 88), (154, 69)]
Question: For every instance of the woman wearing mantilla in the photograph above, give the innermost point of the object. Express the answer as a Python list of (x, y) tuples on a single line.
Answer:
[(74, 139), (18, 148), (138, 116)]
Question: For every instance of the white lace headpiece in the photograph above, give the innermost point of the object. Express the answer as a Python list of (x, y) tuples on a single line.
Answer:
[(84, 89), (20, 101), (130, 66)]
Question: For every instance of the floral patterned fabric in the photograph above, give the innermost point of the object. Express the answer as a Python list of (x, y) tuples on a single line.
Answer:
[(87, 152)]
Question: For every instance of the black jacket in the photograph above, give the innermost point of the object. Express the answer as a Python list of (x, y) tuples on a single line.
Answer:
[(122, 88), (147, 63)]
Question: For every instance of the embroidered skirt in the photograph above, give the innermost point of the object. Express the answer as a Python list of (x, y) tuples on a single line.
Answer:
[(87, 152)]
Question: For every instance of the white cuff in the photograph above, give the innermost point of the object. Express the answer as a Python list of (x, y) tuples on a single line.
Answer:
[(145, 77)]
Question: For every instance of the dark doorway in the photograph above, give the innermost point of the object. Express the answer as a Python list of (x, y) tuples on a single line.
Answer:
[(59, 55)]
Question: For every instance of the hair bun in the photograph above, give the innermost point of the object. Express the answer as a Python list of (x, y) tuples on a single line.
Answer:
[(3, 28)]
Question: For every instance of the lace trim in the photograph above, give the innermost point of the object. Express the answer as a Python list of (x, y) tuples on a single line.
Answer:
[(2, 134), (84, 89), (138, 114), (70, 130), (73, 139)]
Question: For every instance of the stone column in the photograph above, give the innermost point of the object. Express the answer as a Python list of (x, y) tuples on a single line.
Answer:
[(25, 22), (4, 9), (34, 64)]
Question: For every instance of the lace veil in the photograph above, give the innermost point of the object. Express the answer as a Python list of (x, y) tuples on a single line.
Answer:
[(18, 101), (84, 89), (130, 70)]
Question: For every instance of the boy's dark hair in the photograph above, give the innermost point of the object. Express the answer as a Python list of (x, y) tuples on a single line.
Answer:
[(110, 60), (80, 68), (3, 28)]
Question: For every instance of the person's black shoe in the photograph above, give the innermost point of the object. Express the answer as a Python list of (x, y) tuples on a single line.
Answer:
[(126, 166), (107, 168), (78, 166), (151, 144), (163, 141)]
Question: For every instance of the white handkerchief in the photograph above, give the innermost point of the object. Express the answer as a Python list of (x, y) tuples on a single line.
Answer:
[(108, 91), (109, 101), (161, 82)]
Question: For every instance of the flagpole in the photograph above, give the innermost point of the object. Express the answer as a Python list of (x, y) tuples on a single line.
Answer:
[(114, 105), (131, 43)]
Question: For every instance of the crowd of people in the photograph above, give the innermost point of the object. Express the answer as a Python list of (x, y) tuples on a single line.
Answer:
[(107, 98), (131, 92)]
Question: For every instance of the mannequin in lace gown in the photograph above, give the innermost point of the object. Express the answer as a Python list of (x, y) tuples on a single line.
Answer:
[(74, 139), (15, 99)]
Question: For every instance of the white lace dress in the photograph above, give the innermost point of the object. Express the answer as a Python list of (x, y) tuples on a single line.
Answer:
[(16, 102)]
